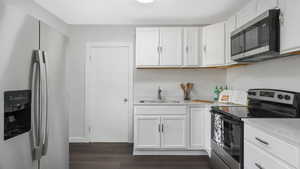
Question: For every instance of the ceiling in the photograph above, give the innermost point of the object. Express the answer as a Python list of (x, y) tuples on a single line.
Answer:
[(130, 12)]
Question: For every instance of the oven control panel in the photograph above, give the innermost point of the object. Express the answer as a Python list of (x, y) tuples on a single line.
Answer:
[(276, 96)]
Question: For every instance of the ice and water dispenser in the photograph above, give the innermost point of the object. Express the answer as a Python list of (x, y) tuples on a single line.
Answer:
[(17, 113)]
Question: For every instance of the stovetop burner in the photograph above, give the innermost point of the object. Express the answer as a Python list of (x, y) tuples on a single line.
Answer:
[(265, 103)]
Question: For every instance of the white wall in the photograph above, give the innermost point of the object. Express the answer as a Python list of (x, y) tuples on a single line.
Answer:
[(33, 9), (283, 73), (79, 37), (146, 81)]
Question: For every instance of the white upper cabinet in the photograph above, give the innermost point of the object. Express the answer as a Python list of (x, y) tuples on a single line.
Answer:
[(147, 46), (230, 26), (247, 13), (213, 52), (290, 25), (264, 5), (171, 46), (191, 44), (159, 46)]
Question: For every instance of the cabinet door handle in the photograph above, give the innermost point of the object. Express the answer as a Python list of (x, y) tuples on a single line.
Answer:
[(159, 128), (281, 18), (259, 166), (158, 49), (262, 141), (187, 49), (162, 128)]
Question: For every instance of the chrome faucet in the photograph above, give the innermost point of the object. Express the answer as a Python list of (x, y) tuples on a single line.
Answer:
[(159, 96)]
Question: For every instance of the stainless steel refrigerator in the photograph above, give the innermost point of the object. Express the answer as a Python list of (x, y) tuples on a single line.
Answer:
[(32, 57)]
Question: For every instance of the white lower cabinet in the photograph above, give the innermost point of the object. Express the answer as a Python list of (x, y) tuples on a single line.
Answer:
[(181, 129), (160, 127), (200, 128), (160, 132), (147, 132), (258, 158), (265, 151), (173, 132)]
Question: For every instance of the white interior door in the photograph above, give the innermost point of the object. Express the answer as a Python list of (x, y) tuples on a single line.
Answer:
[(109, 94)]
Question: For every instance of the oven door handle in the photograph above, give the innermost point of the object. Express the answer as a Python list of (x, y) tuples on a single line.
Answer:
[(236, 122)]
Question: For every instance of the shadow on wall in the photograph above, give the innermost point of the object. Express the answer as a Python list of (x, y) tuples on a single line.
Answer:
[(280, 73)]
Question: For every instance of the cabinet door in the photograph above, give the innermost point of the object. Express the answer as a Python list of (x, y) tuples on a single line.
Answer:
[(290, 26), (207, 129), (147, 132), (230, 26), (197, 128), (264, 5), (171, 46), (173, 132), (255, 157), (248, 13), (214, 44), (147, 45), (191, 46)]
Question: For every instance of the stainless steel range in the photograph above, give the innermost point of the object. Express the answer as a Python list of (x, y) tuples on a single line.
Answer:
[(227, 131)]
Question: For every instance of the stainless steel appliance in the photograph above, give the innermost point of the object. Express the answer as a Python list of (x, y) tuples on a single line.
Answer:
[(227, 135), (25, 41), (257, 40)]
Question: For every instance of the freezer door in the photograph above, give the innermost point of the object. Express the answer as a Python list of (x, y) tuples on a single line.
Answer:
[(18, 38)]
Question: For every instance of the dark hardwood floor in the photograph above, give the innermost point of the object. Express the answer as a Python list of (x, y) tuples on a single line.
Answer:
[(119, 156)]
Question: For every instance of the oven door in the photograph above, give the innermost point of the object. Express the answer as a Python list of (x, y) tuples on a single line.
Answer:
[(227, 139)]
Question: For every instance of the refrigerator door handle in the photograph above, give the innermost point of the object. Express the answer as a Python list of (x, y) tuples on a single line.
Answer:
[(36, 97), (45, 104)]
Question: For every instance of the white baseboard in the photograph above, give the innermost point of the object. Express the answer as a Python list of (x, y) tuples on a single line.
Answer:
[(78, 140), (176, 153)]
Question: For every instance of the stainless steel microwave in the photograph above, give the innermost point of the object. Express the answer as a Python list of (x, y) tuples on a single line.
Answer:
[(257, 40)]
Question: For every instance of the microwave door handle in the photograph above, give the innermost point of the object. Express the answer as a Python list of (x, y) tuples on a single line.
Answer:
[(45, 105)]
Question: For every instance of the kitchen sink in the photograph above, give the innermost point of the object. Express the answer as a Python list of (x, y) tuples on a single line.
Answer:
[(159, 101)]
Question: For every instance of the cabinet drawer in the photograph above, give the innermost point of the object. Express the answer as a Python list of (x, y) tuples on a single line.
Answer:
[(256, 158), (160, 110), (273, 145)]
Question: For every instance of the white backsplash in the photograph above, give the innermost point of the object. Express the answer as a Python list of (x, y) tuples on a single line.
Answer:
[(148, 81)]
